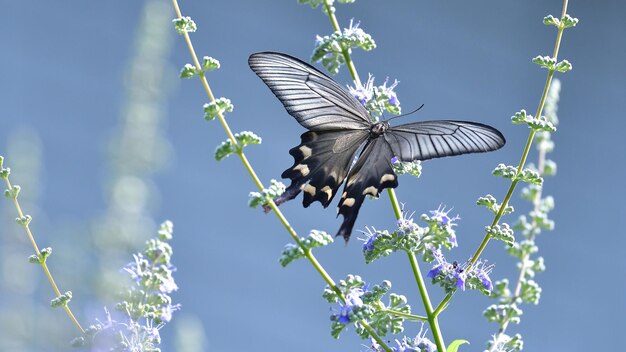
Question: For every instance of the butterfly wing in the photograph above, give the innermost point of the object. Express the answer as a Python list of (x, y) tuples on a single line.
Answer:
[(369, 176), (316, 101), (435, 139)]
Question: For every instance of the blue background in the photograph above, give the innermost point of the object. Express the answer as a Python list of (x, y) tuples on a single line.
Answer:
[(64, 74)]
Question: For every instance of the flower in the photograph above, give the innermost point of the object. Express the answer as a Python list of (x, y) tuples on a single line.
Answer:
[(352, 303), (442, 216), (368, 245)]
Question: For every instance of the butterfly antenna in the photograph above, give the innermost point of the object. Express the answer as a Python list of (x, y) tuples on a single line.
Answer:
[(414, 111)]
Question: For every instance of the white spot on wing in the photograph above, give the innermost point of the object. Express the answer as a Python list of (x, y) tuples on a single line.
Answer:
[(386, 177), (328, 191), (304, 170), (371, 190), (306, 151), (309, 189), (348, 202)]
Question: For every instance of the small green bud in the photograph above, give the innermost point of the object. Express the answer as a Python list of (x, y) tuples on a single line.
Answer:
[(413, 168), (225, 149), (184, 25), (545, 62), (503, 312), (165, 230), (569, 21), (506, 171), (24, 220), (62, 300), (501, 232), (549, 168), (216, 108), (246, 138), (243, 139), (538, 124), (188, 71), (563, 66), (1, 161), (275, 189), (34, 259), (490, 202), (4, 173), (551, 20), (45, 253), (531, 292), (210, 64), (292, 252), (13, 192), (530, 176)]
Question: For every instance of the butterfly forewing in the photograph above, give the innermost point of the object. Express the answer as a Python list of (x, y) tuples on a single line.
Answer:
[(435, 139), (317, 102)]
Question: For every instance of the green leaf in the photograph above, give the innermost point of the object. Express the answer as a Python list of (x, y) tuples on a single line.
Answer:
[(569, 21), (184, 24), (217, 107), (551, 20), (188, 71), (454, 345), (563, 66), (210, 64)]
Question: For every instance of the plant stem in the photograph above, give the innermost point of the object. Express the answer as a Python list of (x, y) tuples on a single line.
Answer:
[(42, 260), (406, 315), (307, 252), (431, 316), (522, 162)]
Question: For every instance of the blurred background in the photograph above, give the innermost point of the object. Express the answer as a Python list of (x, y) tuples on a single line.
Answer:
[(107, 142)]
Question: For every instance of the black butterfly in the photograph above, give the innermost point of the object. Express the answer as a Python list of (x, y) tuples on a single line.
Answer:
[(338, 126)]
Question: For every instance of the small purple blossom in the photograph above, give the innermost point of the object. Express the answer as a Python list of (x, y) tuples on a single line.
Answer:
[(442, 216), (481, 272), (434, 271), (368, 245), (395, 160), (388, 91), (406, 225), (353, 301), (460, 277), (363, 93)]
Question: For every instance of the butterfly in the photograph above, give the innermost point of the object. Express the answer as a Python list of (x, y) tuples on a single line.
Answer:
[(339, 125)]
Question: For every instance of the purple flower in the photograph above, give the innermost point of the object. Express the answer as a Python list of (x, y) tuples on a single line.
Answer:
[(442, 216), (368, 246), (435, 271), (363, 93), (460, 279), (353, 300), (395, 160), (388, 91), (482, 273)]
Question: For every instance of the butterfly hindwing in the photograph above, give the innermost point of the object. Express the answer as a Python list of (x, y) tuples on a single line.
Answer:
[(316, 101), (369, 176), (318, 161), (435, 139)]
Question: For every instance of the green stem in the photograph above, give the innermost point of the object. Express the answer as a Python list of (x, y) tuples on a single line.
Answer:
[(522, 162), (406, 315), (430, 314), (43, 264)]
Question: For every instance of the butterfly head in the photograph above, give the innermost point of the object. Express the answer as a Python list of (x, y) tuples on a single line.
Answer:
[(379, 129)]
